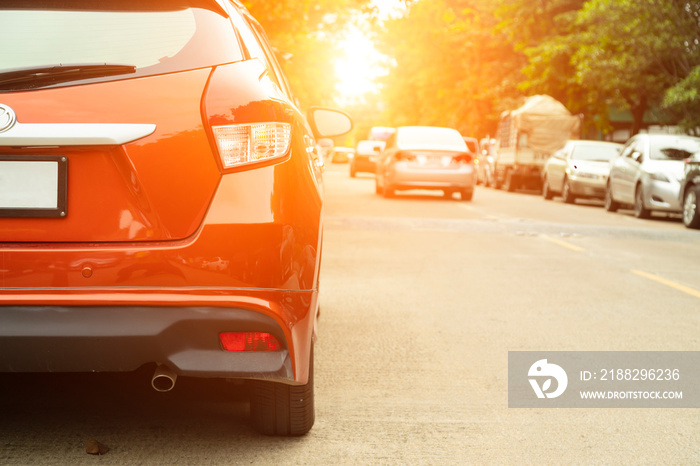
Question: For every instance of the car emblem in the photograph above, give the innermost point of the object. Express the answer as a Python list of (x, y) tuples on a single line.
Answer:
[(7, 118)]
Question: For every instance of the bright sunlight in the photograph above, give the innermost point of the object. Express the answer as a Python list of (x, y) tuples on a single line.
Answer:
[(358, 68)]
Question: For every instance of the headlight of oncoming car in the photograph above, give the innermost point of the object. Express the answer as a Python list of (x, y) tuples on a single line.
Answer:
[(251, 142)]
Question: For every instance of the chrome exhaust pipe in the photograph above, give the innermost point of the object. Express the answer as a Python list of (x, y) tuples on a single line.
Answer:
[(163, 379)]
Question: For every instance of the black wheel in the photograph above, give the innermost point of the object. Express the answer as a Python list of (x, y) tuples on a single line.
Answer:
[(280, 409), (691, 209), (610, 204), (466, 194), (509, 184), (640, 211), (496, 181), (546, 192), (566, 193)]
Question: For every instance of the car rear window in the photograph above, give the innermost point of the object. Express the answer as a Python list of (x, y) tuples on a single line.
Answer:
[(369, 147), (673, 147), (428, 137), (153, 37)]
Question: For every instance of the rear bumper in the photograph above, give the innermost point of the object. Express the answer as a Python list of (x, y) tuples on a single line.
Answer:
[(363, 164), (403, 176), (588, 187), (663, 196), (103, 337), (116, 306)]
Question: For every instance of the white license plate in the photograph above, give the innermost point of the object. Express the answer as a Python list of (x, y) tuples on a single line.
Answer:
[(434, 160), (33, 186)]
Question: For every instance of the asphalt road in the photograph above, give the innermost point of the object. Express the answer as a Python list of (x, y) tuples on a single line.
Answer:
[(422, 298)]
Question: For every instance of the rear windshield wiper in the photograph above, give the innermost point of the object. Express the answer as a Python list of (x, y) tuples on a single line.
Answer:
[(44, 76)]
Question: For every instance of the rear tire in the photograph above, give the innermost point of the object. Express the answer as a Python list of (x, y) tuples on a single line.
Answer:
[(496, 181), (610, 204), (640, 211), (353, 172), (691, 209), (509, 184), (280, 409), (546, 191), (466, 195)]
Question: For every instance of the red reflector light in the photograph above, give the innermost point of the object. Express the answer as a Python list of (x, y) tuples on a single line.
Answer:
[(249, 341), (404, 156)]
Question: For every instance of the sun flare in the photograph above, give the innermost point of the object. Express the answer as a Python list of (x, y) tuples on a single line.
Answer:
[(359, 66)]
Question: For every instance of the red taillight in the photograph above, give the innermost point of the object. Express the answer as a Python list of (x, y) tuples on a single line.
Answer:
[(404, 156), (250, 126), (251, 142), (249, 341), (463, 158)]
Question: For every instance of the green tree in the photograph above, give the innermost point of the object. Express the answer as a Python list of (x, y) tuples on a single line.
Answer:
[(547, 36), (302, 32), (683, 99), (451, 68), (633, 51)]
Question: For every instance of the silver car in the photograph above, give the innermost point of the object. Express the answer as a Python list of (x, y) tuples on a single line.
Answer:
[(426, 157), (647, 173), (578, 170)]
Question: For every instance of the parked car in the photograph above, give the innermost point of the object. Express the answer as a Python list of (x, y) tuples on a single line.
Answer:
[(380, 133), (160, 209), (486, 161), (365, 159), (341, 154), (578, 170), (426, 157), (475, 151), (690, 191), (646, 173)]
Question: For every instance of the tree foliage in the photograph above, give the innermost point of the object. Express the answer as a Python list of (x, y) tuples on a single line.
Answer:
[(548, 36), (633, 51), (301, 32), (448, 66), (460, 63)]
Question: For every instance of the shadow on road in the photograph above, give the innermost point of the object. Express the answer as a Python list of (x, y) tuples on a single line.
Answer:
[(49, 418)]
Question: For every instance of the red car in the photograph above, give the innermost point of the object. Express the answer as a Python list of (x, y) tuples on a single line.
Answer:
[(160, 200)]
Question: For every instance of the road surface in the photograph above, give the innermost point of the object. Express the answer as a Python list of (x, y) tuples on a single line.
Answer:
[(422, 298)]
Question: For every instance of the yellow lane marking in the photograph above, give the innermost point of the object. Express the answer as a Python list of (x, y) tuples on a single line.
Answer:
[(563, 244), (672, 284)]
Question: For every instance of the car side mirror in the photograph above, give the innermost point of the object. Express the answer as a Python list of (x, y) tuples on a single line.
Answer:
[(329, 123), (637, 156)]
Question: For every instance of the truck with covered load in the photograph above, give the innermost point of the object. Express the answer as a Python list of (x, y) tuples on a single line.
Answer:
[(527, 136)]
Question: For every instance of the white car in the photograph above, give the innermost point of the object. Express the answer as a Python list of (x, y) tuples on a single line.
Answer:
[(578, 170), (647, 172), (426, 157)]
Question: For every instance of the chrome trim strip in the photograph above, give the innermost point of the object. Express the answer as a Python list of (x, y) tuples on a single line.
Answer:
[(74, 134)]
